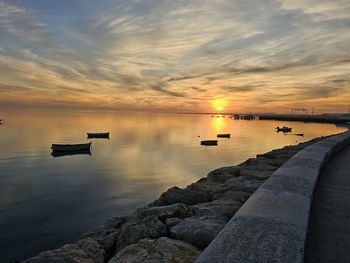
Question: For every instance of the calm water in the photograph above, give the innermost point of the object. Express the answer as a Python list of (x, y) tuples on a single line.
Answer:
[(46, 202)]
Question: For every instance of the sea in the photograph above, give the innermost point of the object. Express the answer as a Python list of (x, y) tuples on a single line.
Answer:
[(47, 201)]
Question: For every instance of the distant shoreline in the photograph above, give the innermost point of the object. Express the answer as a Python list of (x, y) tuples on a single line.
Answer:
[(326, 118)]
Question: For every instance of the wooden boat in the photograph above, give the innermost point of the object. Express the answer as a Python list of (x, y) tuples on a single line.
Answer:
[(283, 129), (209, 142), (224, 135), (70, 153), (98, 135), (70, 147)]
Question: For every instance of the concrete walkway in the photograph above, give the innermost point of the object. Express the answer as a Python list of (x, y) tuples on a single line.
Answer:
[(328, 238)]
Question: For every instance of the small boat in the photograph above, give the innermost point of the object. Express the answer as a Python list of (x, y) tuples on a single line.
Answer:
[(209, 142), (70, 153), (98, 135), (70, 147), (299, 134), (224, 135), (283, 129)]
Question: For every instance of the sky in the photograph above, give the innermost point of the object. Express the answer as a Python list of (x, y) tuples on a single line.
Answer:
[(176, 56)]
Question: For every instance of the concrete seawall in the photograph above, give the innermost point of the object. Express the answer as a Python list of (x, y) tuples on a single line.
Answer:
[(272, 224)]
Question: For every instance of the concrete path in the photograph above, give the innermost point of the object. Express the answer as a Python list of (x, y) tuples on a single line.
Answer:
[(328, 238)]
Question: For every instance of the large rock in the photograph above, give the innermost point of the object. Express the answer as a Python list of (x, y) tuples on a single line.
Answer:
[(162, 250), (210, 187), (198, 230), (163, 212), (170, 222), (244, 183), (258, 164), (186, 196), (224, 207), (256, 173), (136, 229), (66, 254), (92, 249), (115, 222), (235, 195), (223, 173), (106, 237), (276, 154)]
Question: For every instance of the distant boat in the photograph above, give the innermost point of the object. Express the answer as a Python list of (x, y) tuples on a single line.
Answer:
[(299, 134), (70, 153), (70, 147), (224, 135), (283, 129), (209, 142), (98, 135)]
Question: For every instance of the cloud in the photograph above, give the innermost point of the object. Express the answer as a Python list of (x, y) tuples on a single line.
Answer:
[(21, 22), (179, 54), (242, 88), (164, 89), (322, 92)]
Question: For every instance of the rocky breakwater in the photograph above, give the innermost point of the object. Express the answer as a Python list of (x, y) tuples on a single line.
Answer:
[(180, 223)]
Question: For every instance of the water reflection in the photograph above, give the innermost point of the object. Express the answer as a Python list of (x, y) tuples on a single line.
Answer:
[(50, 201), (70, 153)]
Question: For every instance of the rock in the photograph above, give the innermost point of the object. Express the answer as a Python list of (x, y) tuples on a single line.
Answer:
[(244, 183), (162, 250), (210, 187), (258, 164), (233, 195), (106, 237), (186, 196), (256, 174), (274, 154), (223, 173), (115, 222), (176, 210), (66, 254), (224, 207), (92, 249), (278, 162), (170, 222), (198, 231), (136, 229)]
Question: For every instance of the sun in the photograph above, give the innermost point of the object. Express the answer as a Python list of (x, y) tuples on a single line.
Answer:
[(219, 104)]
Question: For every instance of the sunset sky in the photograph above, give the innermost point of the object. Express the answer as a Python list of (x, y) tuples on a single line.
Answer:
[(183, 55)]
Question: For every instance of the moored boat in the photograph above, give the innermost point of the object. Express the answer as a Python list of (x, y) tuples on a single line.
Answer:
[(70, 147), (224, 135), (283, 129), (98, 135), (209, 142)]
